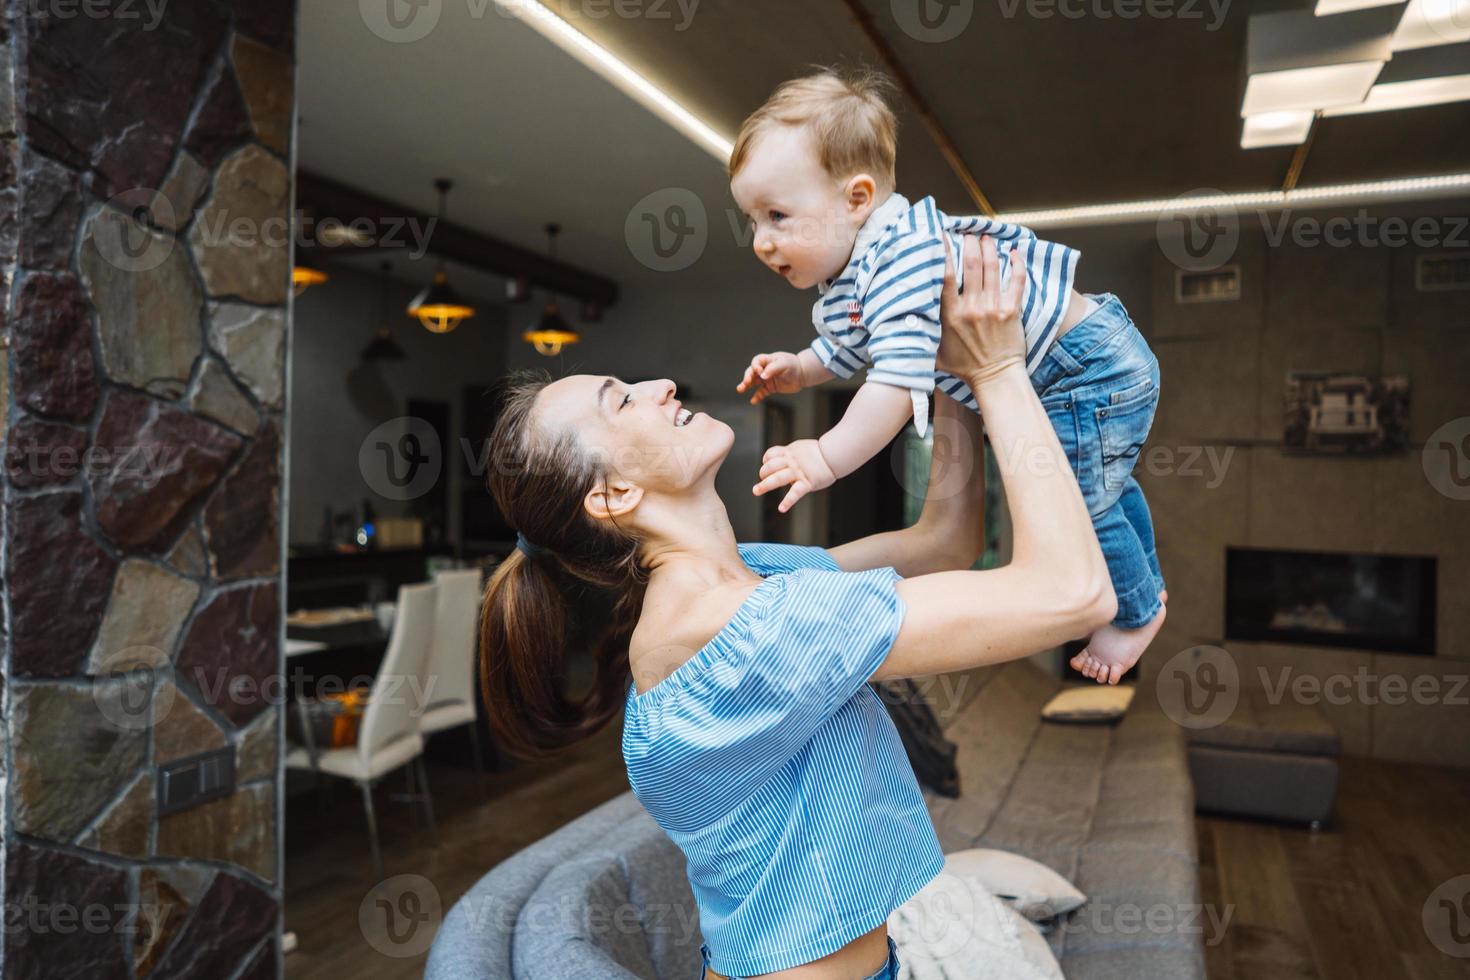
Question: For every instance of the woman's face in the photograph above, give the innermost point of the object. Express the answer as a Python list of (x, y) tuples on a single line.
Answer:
[(641, 431)]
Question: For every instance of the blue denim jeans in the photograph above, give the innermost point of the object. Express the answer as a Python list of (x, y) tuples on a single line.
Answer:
[(888, 971), (1099, 385)]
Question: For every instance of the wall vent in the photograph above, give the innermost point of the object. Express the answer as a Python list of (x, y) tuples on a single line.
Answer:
[(1220, 285), (1442, 273)]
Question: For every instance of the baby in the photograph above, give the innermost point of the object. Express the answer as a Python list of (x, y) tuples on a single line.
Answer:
[(813, 170)]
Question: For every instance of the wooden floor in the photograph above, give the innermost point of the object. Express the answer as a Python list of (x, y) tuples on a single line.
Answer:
[(329, 867), (1341, 904), (1347, 902)]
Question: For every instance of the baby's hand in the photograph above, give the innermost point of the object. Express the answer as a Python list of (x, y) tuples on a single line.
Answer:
[(771, 374), (800, 464)]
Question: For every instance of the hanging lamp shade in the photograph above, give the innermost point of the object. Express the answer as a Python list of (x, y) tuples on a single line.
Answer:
[(552, 332), (303, 277), (383, 347), (437, 307)]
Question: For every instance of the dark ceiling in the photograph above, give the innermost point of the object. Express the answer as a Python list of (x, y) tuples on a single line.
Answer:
[(1046, 111)]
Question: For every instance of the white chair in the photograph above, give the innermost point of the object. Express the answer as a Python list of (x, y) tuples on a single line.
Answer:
[(388, 736), (449, 682)]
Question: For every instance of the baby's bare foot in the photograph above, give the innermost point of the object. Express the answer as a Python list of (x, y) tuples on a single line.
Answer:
[(1111, 651)]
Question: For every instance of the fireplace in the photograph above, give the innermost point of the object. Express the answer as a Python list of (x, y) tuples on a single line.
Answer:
[(1334, 599)]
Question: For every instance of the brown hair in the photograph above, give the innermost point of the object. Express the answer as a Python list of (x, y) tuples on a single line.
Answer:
[(539, 479), (848, 115)]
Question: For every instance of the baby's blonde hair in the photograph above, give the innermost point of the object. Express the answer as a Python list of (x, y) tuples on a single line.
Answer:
[(849, 118)]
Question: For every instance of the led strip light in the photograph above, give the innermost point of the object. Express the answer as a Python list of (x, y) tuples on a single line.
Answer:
[(1130, 211), (551, 25)]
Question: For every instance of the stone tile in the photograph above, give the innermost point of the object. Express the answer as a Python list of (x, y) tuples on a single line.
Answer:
[(1332, 679), (147, 608), (263, 967), (1227, 319), (1436, 360), (223, 122), (230, 652), (1410, 516), (253, 341), (160, 461), (270, 21), (1208, 388), (7, 91), (1199, 497), (251, 189), (1439, 313), (74, 751), (216, 396), (1311, 503), (9, 214), (256, 758), (51, 348), (53, 880), (267, 83), (242, 521), (123, 828), (51, 206), (1425, 717), (39, 453), (1351, 350), (180, 728), (189, 555), (239, 828), (1319, 287), (132, 84), (166, 896), (148, 303), (185, 185), (59, 580), (229, 921)]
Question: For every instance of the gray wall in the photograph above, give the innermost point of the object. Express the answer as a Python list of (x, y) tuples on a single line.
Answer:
[(336, 400), (1351, 308)]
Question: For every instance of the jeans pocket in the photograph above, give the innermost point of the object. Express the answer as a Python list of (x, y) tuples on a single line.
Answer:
[(1123, 425)]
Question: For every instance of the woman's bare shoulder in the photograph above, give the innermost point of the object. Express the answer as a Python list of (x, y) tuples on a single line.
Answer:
[(675, 624)]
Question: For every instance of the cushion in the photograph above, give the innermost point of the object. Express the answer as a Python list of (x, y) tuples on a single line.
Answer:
[(1031, 888), (1261, 725), (1100, 703), (954, 927)]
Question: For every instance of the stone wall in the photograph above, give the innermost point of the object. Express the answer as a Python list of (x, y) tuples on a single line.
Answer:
[(144, 236), (1218, 476)]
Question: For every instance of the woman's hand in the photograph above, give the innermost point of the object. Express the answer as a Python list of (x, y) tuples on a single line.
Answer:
[(982, 335)]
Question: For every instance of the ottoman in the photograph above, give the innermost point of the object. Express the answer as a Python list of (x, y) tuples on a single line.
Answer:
[(1275, 760)]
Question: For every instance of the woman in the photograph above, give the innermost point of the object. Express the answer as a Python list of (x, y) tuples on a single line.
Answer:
[(750, 733)]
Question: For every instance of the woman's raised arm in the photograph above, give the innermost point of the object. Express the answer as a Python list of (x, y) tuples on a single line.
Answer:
[(1056, 586), (950, 531)]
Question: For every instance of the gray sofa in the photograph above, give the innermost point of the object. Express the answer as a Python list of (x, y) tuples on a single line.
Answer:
[(1110, 808)]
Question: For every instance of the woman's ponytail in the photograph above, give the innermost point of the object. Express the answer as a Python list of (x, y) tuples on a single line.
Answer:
[(527, 630)]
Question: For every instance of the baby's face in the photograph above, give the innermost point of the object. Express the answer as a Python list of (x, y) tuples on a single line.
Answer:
[(803, 219)]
